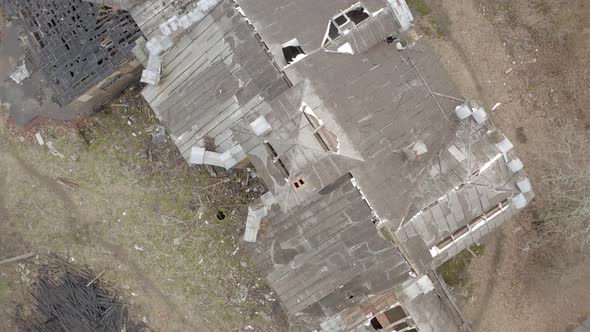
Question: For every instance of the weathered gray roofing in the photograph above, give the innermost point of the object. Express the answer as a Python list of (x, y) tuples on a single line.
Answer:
[(585, 327), (74, 44), (418, 169), (292, 139), (326, 251), (379, 102), (217, 73), (302, 19), (150, 14)]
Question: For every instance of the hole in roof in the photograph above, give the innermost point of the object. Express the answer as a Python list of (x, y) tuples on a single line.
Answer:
[(292, 51), (357, 14), (326, 138), (299, 183), (395, 314), (340, 20), (400, 326), (375, 324), (333, 31)]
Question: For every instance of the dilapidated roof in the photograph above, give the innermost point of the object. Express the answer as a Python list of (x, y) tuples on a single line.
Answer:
[(217, 73), (373, 176), (327, 253), (425, 172), (74, 44)]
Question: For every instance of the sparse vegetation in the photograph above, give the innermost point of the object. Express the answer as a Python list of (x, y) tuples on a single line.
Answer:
[(425, 20), (139, 212), (419, 6), (564, 220), (453, 270)]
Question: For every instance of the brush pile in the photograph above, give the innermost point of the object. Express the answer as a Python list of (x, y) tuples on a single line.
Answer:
[(68, 298)]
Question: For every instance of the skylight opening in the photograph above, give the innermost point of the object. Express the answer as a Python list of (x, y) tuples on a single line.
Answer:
[(292, 51)]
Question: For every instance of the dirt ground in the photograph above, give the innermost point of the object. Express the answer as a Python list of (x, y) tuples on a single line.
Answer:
[(533, 57), (110, 198)]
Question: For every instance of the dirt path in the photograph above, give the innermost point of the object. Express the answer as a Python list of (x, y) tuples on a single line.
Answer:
[(80, 229), (530, 56), (135, 211)]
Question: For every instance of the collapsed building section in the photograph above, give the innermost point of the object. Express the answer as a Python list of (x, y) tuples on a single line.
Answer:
[(378, 171), (83, 50)]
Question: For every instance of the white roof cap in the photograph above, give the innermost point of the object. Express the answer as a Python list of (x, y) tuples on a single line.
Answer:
[(197, 155), (505, 145), (260, 126), (519, 201), (420, 148), (479, 115), (463, 111), (524, 185), (515, 165)]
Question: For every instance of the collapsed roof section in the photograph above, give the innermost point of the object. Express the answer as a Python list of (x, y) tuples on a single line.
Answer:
[(117, 4), (74, 44)]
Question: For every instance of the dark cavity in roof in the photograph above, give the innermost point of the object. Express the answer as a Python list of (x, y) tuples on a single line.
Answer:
[(74, 44)]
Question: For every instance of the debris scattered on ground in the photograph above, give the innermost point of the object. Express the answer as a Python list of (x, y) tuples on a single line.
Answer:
[(17, 258), (176, 241), (39, 138), (496, 106), (54, 151), (21, 73), (95, 278), (68, 182), (158, 133), (85, 134), (67, 298), (113, 170), (242, 294)]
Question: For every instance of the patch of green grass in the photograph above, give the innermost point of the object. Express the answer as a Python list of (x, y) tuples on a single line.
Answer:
[(453, 270), (419, 6), (437, 28), (4, 289)]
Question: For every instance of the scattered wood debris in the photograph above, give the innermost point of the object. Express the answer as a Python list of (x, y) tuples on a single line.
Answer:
[(68, 182), (68, 298)]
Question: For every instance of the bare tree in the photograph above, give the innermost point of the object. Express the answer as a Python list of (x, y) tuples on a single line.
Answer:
[(565, 215)]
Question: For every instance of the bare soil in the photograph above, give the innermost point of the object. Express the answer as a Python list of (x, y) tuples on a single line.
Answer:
[(533, 57), (117, 202)]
